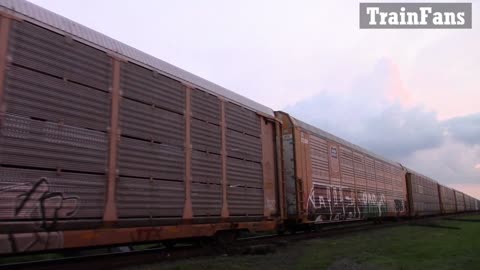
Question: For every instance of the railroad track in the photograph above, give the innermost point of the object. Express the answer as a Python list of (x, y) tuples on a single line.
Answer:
[(248, 245)]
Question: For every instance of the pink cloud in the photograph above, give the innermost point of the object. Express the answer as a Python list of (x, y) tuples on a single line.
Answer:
[(396, 90)]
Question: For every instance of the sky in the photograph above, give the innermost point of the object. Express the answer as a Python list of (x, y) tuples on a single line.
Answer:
[(410, 95)]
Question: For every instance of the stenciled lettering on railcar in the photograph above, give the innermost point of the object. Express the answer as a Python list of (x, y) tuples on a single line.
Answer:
[(333, 152), (333, 161)]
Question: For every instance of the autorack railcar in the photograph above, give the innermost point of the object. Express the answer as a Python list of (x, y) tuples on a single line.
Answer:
[(102, 144), (328, 179)]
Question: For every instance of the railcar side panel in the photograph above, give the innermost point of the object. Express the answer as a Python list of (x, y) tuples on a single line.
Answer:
[(54, 133), (472, 204), (469, 204), (424, 196), (447, 199), (151, 151), (322, 183), (460, 200), (244, 162), (289, 167)]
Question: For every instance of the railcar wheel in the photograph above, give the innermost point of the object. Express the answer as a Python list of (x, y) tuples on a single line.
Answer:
[(225, 238)]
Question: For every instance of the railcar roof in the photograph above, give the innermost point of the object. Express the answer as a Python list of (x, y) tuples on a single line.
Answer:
[(334, 138), (422, 175), (53, 21)]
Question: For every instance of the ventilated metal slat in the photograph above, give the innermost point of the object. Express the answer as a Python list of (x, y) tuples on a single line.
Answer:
[(145, 159)]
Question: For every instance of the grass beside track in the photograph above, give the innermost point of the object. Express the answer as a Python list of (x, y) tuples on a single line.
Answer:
[(443, 244)]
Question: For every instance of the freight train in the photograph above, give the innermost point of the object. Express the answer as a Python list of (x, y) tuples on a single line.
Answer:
[(102, 144)]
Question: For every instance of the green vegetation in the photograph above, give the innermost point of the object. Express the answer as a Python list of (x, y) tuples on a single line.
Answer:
[(456, 245), (52, 256), (27, 258)]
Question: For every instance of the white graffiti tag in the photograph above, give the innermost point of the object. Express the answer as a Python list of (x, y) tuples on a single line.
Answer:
[(331, 203)]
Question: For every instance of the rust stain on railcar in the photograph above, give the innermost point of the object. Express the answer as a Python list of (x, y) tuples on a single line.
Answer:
[(187, 211), (4, 33), (308, 183), (110, 214), (268, 164), (289, 163), (112, 236), (223, 125), (24, 242), (280, 171), (301, 172)]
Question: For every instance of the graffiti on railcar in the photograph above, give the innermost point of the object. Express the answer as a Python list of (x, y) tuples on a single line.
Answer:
[(374, 205), (36, 202), (333, 203), (400, 206), (371, 204), (329, 203)]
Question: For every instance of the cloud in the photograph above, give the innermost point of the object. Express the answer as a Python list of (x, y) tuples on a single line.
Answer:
[(465, 129), (452, 162), (399, 132), (444, 74), (367, 115)]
